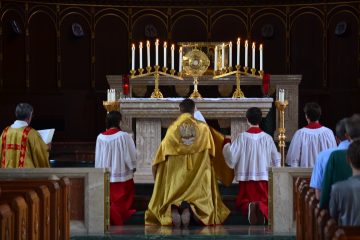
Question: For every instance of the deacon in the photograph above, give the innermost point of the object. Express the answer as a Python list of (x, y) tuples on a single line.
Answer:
[(20, 145), (310, 140), (250, 155), (116, 151), (185, 182)]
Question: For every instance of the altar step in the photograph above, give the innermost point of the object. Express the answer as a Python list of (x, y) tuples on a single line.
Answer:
[(143, 194)]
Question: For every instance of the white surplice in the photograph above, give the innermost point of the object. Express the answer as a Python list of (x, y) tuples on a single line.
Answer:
[(250, 155), (307, 143), (116, 152)]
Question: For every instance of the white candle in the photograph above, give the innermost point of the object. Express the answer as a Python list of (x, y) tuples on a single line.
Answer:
[(148, 53), (112, 94), (165, 46), (133, 57), (215, 58), (238, 52), (246, 53), (157, 52), (140, 54), (281, 95), (223, 56), (172, 55), (253, 55), (230, 54), (261, 57), (108, 95), (180, 59)]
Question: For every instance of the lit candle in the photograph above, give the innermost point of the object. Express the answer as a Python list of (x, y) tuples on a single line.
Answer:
[(148, 53), (215, 58), (223, 56), (253, 55), (165, 46), (246, 53), (281, 95), (133, 57), (238, 52), (140, 54), (172, 55), (261, 57), (157, 52), (230, 54), (126, 89), (180, 59), (108, 96)]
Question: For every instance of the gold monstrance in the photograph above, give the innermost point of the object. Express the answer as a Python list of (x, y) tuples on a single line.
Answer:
[(195, 64)]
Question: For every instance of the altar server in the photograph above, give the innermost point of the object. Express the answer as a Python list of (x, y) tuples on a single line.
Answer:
[(310, 140), (116, 151), (20, 145), (185, 181), (250, 155)]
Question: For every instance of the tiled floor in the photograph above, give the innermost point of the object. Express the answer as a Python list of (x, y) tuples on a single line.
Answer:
[(216, 232)]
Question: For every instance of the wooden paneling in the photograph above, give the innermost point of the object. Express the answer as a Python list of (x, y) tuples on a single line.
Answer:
[(77, 199)]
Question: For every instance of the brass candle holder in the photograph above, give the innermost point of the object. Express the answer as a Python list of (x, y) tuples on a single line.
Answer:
[(281, 106), (156, 73), (111, 106)]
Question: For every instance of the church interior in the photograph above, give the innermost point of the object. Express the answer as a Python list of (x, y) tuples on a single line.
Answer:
[(63, 56)]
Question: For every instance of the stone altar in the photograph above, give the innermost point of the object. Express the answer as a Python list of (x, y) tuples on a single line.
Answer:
[(152, 114)]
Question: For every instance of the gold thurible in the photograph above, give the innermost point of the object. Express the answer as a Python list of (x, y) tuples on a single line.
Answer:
[(281, 106)]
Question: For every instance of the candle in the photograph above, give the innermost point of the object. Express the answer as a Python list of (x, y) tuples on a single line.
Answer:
[(172, 55), (126, 89), (281, 95), (246, 53), (113, 95), (253, 55), (133, 57), (230, 54), (140, 54), (180, 59), (148, 53), (238, 52), (261, 57), (165, 46), (108, 95), (157, 52), (223, 56), (215, 58)]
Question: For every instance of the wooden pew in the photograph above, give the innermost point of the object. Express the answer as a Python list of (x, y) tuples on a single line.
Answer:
[(54, 206), (6, 222), (322, 219), (32, 201), (19, 208), (335, 232), (309, 222), (300, 220)]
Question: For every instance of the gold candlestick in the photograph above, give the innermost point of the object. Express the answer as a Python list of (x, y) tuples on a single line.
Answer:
[(238, 93), (281, 108), (253, 71), (156, 93), (195, 93), (111, 106)]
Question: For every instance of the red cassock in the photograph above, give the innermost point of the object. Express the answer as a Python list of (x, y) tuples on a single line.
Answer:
[(121, 199), (253, 191)]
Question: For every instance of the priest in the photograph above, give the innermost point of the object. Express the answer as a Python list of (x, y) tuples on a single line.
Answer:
[(20, 145), (185, 182)]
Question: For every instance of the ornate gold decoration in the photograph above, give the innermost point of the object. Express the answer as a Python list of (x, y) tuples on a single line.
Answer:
[(195, 63), (281, 108), (111, 106)]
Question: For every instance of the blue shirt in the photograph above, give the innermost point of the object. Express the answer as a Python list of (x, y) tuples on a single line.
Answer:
[(317, 175)]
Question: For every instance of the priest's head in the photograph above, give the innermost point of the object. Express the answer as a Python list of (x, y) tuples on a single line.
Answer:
[(24, 112), (187, 106), (254, 116), (312, 112), (113, 119), (352, 126)]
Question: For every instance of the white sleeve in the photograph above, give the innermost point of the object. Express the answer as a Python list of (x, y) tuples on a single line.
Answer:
[(227, 155), (275, 155), (294, 151), (232, 152), (131, 153)]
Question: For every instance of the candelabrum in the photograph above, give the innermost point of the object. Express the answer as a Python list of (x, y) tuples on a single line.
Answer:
[(111, 106), (228, 72), (281, 105), (156, 73)]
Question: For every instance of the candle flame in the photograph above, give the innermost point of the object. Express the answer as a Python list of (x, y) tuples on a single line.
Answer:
[(230, 44), (253, 45), (180, 49), (140, 45), (261, 47), (157, 42), (165, 45), (133, 46), (238, 41), (172, 46), (246, 43), (148, 44)]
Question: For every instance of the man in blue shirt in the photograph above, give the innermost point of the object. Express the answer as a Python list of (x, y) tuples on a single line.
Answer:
[(323, 157)]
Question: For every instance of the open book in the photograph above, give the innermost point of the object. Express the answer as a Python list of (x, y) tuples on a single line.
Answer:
[(47, 135), (199, 116)]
